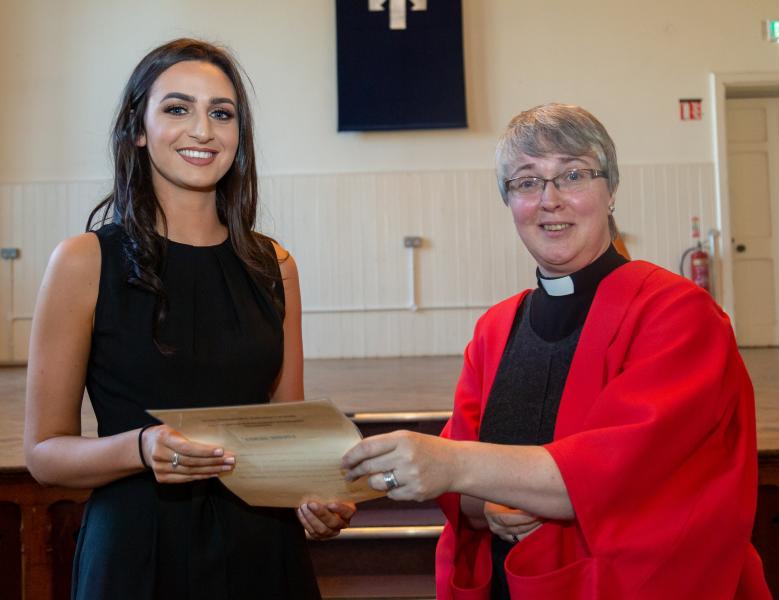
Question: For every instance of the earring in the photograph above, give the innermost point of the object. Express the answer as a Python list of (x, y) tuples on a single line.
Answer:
[(611, 209)]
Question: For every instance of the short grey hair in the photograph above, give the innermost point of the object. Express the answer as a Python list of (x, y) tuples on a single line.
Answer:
[(559, 129)]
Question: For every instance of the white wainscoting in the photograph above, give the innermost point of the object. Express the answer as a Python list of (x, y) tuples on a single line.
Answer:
[(35, 217), (346, 232)]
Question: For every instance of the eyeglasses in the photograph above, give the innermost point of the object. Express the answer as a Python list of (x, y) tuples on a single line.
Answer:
[(571, 181)]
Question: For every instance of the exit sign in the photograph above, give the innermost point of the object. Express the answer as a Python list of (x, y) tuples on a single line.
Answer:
[(772, 31)]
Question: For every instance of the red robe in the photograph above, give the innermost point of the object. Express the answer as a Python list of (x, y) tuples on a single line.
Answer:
[(655, 441)]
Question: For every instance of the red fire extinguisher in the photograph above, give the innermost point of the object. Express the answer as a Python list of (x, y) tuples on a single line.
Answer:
[(699, 259)]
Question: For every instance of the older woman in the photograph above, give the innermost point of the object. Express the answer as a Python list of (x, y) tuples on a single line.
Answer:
[(602, 443)]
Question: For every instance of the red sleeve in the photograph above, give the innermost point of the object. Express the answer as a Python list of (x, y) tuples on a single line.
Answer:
[(662, 473)]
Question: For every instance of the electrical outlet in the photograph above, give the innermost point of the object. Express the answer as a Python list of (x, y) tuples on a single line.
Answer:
[(412, 241), (9, 253)]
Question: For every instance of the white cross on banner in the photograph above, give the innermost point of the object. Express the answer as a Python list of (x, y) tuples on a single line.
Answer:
[(397, 10)]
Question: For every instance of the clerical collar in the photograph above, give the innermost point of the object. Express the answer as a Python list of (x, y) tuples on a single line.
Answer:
[(585, 279), (556, 286)]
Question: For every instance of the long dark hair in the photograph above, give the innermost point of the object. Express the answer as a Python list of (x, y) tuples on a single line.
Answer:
[(132, 202)]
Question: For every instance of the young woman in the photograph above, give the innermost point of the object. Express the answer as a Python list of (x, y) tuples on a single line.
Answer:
[(174, 303)]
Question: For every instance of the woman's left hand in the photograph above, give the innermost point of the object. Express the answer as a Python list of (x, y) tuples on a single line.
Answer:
[(510, 524), (324, 521)]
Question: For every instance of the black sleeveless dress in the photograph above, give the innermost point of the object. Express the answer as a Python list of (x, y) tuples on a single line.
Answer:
[(141, 540)]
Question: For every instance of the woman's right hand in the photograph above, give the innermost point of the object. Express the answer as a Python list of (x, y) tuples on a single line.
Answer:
[(510, 524), (177, 459)]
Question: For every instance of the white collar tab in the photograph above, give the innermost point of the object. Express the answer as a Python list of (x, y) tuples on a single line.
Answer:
[(558, 286)]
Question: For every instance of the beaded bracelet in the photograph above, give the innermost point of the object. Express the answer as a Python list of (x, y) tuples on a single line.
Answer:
[(140, 444)]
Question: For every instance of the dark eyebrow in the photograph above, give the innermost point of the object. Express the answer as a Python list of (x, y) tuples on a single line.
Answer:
[(222, 101), (178, 96), (187, 98)]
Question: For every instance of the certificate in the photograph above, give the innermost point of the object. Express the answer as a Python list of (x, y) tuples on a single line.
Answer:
[(286, 454)]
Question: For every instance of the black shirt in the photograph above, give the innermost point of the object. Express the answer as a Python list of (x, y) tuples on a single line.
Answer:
[(525, 396)]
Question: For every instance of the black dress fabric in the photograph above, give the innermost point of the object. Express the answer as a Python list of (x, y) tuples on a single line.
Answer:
[(141, 540), (525, 395)]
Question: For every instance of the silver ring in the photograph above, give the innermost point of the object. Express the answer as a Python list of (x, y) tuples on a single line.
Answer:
[(514, 538), (175, 461), (390, 480)]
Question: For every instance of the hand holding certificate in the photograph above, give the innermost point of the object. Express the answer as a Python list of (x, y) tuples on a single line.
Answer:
[(287, 454)]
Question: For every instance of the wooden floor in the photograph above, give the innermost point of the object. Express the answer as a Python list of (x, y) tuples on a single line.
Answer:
[(388, 384), (377, 385), (427, 383), (385, 384), (763, 366)]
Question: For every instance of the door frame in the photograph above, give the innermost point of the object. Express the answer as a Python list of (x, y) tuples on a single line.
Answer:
[(719, 84)]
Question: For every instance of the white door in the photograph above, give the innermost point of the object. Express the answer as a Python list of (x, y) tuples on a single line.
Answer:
[(753, 173)]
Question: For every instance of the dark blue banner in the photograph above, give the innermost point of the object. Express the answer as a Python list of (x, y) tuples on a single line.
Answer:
[(400, 64)]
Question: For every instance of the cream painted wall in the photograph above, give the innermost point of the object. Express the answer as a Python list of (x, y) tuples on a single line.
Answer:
[(63, 64), (328, 195)]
